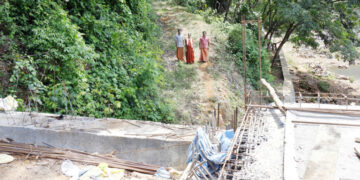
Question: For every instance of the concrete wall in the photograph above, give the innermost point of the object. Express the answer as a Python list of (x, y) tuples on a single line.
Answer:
[(152, 151), (288, 87)]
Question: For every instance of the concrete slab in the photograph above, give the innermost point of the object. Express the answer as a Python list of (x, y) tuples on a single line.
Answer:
[(324, 154), (141, 141), (320, 151)]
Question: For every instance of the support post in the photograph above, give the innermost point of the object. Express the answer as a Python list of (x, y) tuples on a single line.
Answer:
[(346, 100), (218, 117), (243, 27), (260, 73), (215, 117), (236, 118)]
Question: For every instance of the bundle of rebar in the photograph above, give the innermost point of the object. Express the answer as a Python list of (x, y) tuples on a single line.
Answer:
[(76, 156), (247, 136)]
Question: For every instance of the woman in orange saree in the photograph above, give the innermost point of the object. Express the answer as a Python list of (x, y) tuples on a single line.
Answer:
[(189, 50)]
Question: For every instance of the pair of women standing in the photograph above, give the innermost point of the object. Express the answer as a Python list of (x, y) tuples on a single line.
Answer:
[(204, 44)]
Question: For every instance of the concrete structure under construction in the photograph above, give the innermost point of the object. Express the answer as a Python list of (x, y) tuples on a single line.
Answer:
[(141, 141)]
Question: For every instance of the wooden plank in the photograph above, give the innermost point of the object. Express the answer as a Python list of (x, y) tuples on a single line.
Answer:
[(341, 123), (354, 112)]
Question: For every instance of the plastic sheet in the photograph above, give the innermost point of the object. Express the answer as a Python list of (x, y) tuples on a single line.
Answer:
[(207, 150)]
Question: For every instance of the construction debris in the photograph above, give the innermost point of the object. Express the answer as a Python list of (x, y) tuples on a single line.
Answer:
[(4, 158), (204, 157), (103, 172), (357, 152), (8, 104), (76, 156), (69, 169)]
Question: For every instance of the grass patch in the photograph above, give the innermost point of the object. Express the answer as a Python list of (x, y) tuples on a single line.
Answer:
[(181, 77)]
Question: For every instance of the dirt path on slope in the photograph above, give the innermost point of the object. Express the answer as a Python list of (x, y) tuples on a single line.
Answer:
[(204, 89)]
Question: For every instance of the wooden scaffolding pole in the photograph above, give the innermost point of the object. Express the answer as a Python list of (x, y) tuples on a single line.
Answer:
[(243, 27)]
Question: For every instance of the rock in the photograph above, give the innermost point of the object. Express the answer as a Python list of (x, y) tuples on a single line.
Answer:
[(318, 70), (344, 66), (8, 104), (343, 77)]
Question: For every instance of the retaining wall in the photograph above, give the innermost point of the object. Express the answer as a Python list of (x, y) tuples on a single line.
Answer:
[(152, 151)]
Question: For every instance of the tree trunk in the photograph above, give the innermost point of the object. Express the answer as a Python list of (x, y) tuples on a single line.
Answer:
[(227, 11), (291, 28), (271, 35), (236, 10), (267, 34)]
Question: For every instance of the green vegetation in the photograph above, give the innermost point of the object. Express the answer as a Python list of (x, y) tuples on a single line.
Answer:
[(335, 23), (95, 58), (323, 86), (302, 22), (233, 31), (181, 78), (252, 56), (351, 79)]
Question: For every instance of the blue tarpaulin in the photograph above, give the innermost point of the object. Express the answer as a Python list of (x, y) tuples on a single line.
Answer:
[(205, 148)]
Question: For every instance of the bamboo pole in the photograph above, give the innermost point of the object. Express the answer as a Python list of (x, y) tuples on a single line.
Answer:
[(218, 117), (243, 23), (274, 96), (260, 73)]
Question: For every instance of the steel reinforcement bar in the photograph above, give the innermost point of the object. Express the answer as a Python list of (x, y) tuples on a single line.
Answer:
[(247, 137)]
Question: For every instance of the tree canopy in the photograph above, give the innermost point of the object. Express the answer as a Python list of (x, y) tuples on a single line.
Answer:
[(306, 22)]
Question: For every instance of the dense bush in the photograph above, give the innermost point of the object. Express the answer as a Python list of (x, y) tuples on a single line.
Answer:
[(323, 86), (95, 58), (252, 56), (192, 5)]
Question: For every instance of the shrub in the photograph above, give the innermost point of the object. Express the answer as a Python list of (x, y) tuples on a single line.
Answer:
[(252, 56), (95, 58), (323, 86), (193, 5)]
